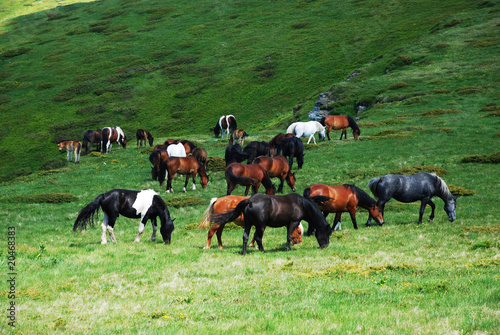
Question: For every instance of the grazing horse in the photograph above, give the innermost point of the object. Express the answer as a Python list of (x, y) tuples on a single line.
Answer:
[(278, 167), (188, 146), (234, 154), (255, 149), (170, 141), (410, 188), (176, 150), (274, 142), (188, 166), (225, 204), (248, 175), (90, 138), (145, 204), (111, 135), (292, 147), (307, 129), (201, 155), (344, 198), (71, 146), (337, 122), (226, 123), (263, 211), (156, 158), (143, 135), (238, 136)]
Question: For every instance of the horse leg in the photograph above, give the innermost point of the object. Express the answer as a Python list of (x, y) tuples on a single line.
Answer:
[(246, 190), (155, 227), (291, 228), (432, 212), (336, 222), (259, 232), (109, 227), (219, 235), (104, 226), (185, 184), (169, 183), (328, 129), (280, 188), (230, 188), (141, 230), (194, 181), (423, 203), (246, 233), (353, 218)]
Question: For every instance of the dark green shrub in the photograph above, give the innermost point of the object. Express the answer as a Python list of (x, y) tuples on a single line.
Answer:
[(15, 52), (485, 159), (420, 168), (53, 164), (92, 109)]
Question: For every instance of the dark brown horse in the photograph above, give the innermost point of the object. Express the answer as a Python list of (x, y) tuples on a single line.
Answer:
[(110, 136), (188, 166), (273, 143), (238, 136), (143, 136), (156, 158), (228, 203), (278, 167), (337, 122), (345, 198), (90, 138), (201, 155), (248, 175)]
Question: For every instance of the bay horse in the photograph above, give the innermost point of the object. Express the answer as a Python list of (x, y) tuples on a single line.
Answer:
[(143, 136), (188, 166), (274, 142), (201, 155), (238, 136), (255, 149), (344, 198), (145, 204), (156, 158), (234, 154), (410, 188), (262, 210), (292, 147), (225, 204), (306, 129), (226, 123), (337, 122), (248, 175), (90, 138), (110, 136), (278, 167), (70, 147)]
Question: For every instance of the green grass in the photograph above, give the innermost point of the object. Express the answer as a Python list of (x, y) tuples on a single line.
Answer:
[(403, 278)]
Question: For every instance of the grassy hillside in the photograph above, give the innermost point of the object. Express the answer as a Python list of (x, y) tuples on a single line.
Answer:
[(175, 68)]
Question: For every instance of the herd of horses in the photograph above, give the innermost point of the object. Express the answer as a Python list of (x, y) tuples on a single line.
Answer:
[(264, 160)]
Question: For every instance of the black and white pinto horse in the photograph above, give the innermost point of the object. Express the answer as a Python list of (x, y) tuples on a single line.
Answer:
[(291, 147), (145, 204), (226, 123), (410, 188), (255, 149), (111, 135)]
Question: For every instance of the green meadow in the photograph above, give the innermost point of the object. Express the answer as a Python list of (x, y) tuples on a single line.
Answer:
[(427, 73)]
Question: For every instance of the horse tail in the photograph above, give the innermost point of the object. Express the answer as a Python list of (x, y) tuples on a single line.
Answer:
[(372, 184), (206, 215), (231, 215), (238, 179), (322, 121), (291, 128), (318, 199), (163, 172), (86, 215), (233, 123)]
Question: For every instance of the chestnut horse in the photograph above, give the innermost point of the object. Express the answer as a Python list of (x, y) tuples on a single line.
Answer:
[(345, 198), (238, 136), (156, 158), (188, 166), (71, 146), (248, 175), (111, 135), (228, 203), (278, 167), (143, 135), (337, 122)]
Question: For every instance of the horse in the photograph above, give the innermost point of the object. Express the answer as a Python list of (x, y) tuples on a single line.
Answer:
[(234, 154), (225, 204), (255, 149), (248, 175), (90, 138), (238, 136), (263, 210), (156, 158), (307, 129), (337, 122), (226, 123), (410, 188), (143, 135), (71, 146), (201, 155), (188, 166), (111, 135), (278, 167), (188, 146), (176, 150), (273, 143), (145, 204), (344, 198), (292, 147)]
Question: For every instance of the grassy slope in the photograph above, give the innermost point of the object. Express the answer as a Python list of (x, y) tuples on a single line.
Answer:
[(161, 66)]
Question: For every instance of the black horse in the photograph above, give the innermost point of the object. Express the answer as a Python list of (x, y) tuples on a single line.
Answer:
[(234, 154), (142, 136), (90, 138), (145, 204), (291, 147), (263, 210), (410, 188), (255, 149)]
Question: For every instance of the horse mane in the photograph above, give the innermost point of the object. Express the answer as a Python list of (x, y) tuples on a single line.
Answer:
[(205, 223), (372, 184), (353, 124), (442, 187), (364, 200)]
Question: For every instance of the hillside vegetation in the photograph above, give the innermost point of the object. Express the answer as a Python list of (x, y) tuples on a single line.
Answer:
[(174, 68)]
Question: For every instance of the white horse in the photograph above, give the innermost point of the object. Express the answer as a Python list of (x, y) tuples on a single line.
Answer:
[(176, 150), (309, 128)]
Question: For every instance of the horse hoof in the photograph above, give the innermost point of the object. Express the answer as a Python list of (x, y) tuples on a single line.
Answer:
[(104, 242), (430, 220)]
